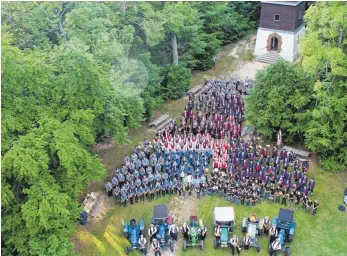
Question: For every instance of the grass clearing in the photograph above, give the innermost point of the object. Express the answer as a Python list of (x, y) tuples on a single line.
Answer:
[(323, 235)]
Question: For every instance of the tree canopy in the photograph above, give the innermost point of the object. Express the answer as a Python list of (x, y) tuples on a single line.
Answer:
[(76, 73), (324, 50)]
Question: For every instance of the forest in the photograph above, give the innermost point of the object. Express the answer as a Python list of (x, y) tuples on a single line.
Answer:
[(78, 73)]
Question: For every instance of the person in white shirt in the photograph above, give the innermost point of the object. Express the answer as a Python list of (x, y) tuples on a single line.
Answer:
[(156, 247), (217, 232), (185, 230), (152, 230), (234, 241), (246, 242), (202, 232), (142, 243), (173, 230), (276, 246), (273, 233)]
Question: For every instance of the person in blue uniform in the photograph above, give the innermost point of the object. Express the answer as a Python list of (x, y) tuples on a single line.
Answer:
[(158, 188), (141, 192), (124, 197), (131, 196), (117, 194), (152, 192)]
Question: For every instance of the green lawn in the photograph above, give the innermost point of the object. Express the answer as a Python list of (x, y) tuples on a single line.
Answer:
[(323, 235)]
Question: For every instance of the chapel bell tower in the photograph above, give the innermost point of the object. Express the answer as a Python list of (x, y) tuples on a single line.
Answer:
[(281, 25)]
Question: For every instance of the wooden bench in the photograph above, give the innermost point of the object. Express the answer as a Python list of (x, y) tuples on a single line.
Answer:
[(164, 124), (298, 151), (195, 89), (158, 120), (202, 90), (303, 159)]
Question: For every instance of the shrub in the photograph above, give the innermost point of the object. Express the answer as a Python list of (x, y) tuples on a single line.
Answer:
[(332, 164)]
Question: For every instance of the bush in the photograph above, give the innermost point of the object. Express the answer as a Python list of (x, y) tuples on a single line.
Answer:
[(285, 94), (332, 164), (176, 82)]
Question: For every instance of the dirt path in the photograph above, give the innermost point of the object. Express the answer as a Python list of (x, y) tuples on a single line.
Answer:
[(181, 208), (250, 69)]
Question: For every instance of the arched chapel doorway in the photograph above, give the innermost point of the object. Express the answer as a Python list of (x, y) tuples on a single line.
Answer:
[(274, 42)]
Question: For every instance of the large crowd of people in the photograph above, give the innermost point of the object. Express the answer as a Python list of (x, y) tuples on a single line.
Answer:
[(179, 158), (205, 155)]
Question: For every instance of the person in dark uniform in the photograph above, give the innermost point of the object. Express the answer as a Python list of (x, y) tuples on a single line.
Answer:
[(297, 199), (203, 190), (277, 196), (189, 189), (131, 196), (179, 188), (284, 197), (243, 198), (291, 198), (267, 192), (309, 205), (315, 207), (197, 189), (248, 200), (254, 200), (304, 202)]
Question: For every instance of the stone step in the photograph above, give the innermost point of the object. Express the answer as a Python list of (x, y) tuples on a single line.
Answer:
[(268, 57)]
